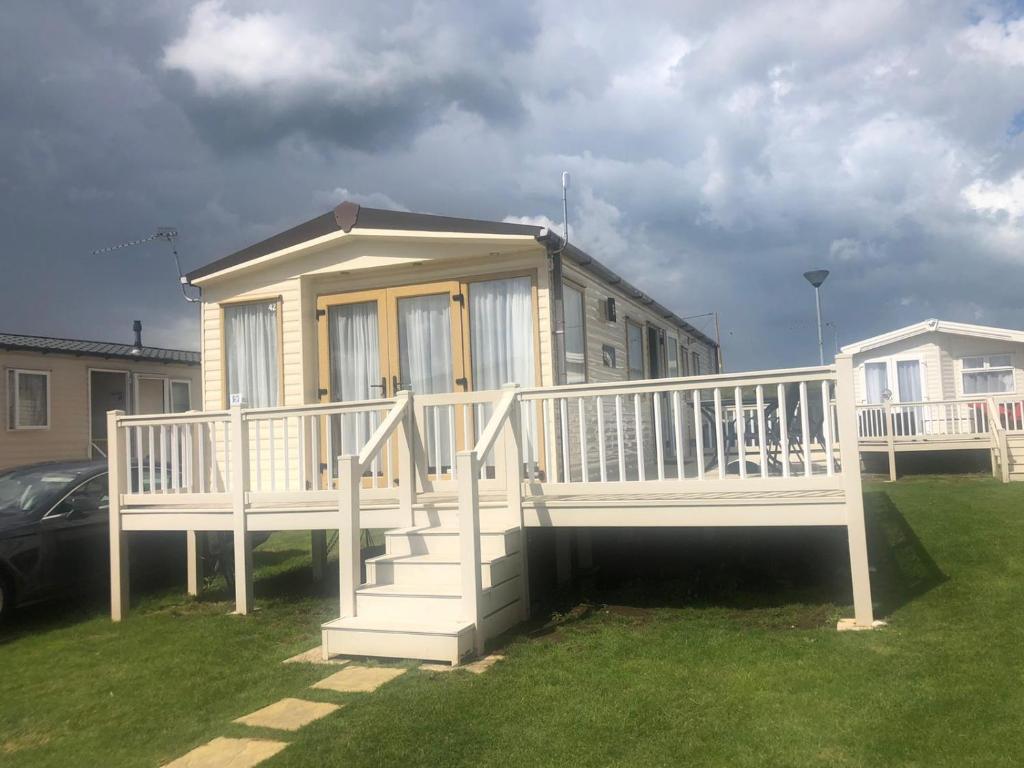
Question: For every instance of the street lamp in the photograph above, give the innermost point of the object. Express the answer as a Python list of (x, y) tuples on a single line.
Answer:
[(816, 277)]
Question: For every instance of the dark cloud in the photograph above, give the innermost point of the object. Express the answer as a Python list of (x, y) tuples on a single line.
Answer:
[(717, 152)]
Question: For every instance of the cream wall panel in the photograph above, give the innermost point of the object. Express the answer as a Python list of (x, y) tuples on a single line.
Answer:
[(68, 434)]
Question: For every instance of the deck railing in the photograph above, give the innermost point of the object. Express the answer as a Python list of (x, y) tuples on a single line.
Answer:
[(939, 419)]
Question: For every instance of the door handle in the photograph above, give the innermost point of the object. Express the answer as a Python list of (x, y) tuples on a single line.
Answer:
[(396, 385), (463, 382)]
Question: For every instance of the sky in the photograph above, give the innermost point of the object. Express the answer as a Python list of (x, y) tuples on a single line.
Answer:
[(717, 150)]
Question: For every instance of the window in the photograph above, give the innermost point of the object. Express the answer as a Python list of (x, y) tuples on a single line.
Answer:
[(672, 351), (876, 382), (575, 339), (28, 399), (684, 358), (635, 350), (695, 366), (181, 396), (987, 374), (251, 344)]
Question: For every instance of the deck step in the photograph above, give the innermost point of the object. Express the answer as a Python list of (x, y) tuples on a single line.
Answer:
[(435, 640), (439, 540), (436, 569), (428, 602)]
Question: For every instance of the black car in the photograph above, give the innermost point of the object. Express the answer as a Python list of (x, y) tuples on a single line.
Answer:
[(54, 535)]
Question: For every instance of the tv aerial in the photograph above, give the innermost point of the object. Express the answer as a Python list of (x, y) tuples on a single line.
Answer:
[(168, 235)]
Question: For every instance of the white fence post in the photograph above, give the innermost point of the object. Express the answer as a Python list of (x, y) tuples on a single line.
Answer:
[(239, 488), (855, 529), (117, 485), (514, 439), (349, 479), (406, 458), (467, 471)]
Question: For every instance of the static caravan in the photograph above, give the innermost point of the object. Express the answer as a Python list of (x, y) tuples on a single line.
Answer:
[(57, 392), (940, 385), (457, 382)]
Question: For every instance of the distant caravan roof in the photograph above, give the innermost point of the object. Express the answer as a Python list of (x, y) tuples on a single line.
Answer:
[(103, 349), (349, 216), (934, 326)]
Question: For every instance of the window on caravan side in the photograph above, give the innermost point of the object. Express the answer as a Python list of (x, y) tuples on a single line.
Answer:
[(28, 399), (987, 374), (575, 341), (635, 350), (251, 346)]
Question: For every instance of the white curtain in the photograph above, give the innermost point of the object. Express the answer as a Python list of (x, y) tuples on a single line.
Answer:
[(575, 349), (250, 332), (501, 341), (355, 370), (908, 375), (425, 366), (876, 380), (501, 333), (31, 399)]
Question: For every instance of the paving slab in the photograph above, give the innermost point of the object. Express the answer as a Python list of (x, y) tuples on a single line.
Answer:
[(353, 679), (229, 753), (315, 656), (851, 625), (288, 714), (477, 667)]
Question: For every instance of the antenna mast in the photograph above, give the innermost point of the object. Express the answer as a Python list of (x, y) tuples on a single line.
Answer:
[(168, 234)]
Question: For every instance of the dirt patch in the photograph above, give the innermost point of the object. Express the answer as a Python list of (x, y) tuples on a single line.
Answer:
[(787, 617), (631, 613), (23, 742)]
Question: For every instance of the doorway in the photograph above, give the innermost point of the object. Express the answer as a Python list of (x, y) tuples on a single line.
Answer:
[(108, 391), (433, 338)]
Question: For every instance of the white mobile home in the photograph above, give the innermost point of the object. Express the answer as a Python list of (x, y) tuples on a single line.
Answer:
[(457, 382), (936, 384)]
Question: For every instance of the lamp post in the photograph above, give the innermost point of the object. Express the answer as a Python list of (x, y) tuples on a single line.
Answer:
[(816, 277)]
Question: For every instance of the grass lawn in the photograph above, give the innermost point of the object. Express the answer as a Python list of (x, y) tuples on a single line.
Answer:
[(726, 678)]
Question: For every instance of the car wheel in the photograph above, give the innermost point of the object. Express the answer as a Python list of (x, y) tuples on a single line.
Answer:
[(6, 599)]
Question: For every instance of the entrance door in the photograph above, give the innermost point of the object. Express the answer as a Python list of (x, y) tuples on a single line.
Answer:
[(375, 343), (108, 391)]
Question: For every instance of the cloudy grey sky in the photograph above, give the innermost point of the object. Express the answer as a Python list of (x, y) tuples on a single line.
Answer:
[(717, 149)]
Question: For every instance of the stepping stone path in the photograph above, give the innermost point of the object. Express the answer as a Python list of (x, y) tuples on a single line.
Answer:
[(292, 714), (236, 753), (477, 667), (315, 656), (288, 714), (355, 679)]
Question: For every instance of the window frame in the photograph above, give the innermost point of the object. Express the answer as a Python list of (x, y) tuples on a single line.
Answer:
[(694, 363), (170, 394), (986, 367), (629, 369), (582, 290), (672, 343), (275, 299), (12, 399)]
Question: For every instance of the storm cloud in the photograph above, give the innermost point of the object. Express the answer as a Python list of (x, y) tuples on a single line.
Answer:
[(717, 151)]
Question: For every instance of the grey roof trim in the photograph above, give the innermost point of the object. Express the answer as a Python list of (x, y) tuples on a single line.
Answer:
[(349, 216), (102, 349)]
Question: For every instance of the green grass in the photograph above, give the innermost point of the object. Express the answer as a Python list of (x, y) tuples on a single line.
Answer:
[(721, 678)]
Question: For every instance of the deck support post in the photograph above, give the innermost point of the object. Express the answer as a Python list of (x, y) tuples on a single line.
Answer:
[(318, 551), (240, 528), (406, 454), (563, 556), (118, 484), (584, 549), (890, 443), (194, 563), (855, 528), (467, 467), (349, 554), (514, 438)]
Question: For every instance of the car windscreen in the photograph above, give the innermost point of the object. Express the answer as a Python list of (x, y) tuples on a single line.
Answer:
[(34, 490)]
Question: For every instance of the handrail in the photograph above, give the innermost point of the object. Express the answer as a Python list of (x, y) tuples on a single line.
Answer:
[(683, 383), (999, 445), (490, 433), (384, 429), (920, 403)]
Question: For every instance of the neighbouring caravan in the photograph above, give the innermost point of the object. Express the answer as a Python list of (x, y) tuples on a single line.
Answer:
[(56, 392)]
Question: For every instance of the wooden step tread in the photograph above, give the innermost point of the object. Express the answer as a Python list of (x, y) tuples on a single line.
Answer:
[(361, 624), (441, 530), (429, 559)]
